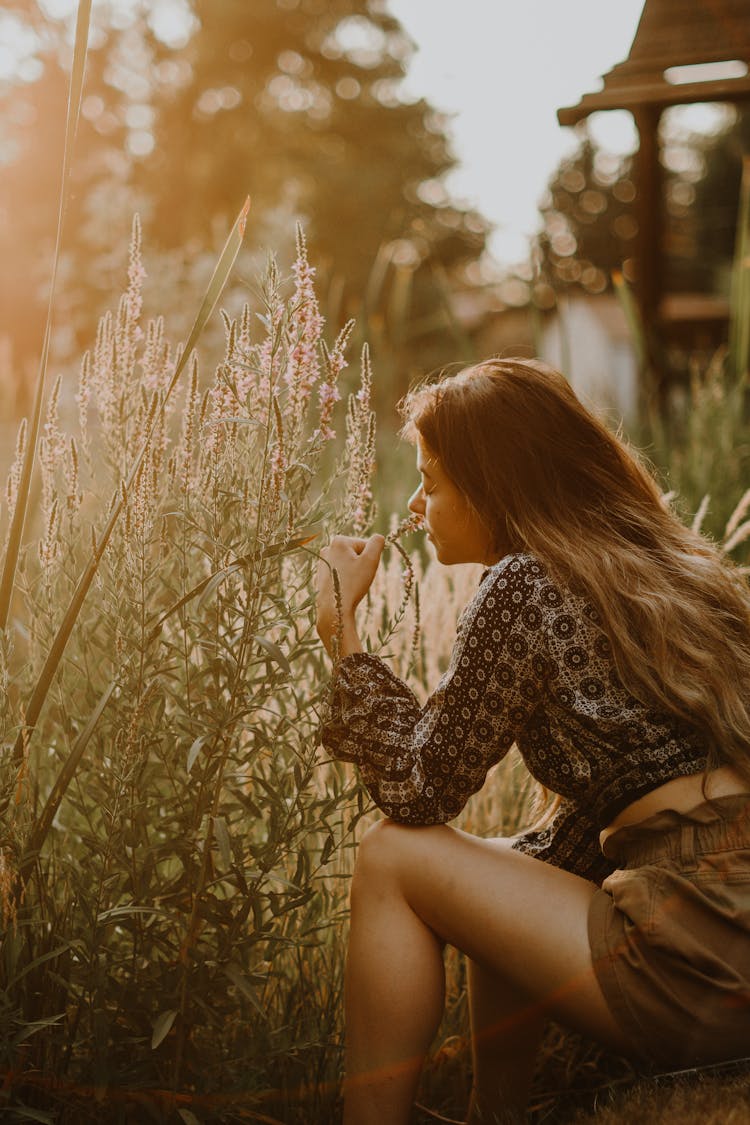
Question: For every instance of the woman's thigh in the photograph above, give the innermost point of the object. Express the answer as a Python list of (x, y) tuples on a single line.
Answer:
[(514, 915)]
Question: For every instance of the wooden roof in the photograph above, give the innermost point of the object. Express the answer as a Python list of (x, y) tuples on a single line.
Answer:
[(673, 33)]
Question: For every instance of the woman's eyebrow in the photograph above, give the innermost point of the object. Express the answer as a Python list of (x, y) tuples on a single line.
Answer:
[(425, 472)]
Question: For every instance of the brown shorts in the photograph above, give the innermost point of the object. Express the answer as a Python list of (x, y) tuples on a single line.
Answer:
[(670, 934)]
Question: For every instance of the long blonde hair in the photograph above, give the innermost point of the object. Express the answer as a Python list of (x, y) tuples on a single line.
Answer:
[(547, 477)]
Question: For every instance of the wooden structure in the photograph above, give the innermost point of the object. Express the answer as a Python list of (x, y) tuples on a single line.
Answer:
[(671, 34)]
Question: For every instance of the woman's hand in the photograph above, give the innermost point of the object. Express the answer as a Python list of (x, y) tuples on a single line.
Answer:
[(355, 562)]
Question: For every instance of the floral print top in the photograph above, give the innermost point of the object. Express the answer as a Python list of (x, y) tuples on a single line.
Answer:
[(532, 666)]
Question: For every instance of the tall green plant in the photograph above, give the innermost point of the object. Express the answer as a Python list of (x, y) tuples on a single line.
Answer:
[(130, 473), (172, 834)]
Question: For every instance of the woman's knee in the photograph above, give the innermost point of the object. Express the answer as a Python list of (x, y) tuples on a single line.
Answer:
[(383, 850)]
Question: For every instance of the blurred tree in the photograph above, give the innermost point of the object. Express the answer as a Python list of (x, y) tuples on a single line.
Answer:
[(192, 104), (298, 102), (589, 221), (714, 200)]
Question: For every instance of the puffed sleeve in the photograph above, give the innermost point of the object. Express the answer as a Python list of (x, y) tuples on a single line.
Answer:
[(569, 840), (421, 764)]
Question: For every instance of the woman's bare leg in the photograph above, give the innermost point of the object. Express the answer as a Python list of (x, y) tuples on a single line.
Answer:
[(506, 1027), (394, 996), (521, 920)]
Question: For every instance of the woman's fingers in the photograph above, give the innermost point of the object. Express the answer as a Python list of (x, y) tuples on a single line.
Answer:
[(350, 547), (371, 551), (347, 545), (355, 560)]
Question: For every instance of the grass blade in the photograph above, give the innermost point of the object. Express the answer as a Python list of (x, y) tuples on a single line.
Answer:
[(15, 535), (213, 292), (739, 322), (43, 824), (632, 316)]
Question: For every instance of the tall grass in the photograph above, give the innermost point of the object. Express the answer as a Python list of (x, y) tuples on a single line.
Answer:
[(174, 855), (27, 451), (701, 444), (172, 847)]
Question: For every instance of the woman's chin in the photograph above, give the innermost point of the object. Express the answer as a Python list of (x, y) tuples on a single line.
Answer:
[(442, 553)]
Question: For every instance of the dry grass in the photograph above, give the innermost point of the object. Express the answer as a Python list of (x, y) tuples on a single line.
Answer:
[(707, 1098)]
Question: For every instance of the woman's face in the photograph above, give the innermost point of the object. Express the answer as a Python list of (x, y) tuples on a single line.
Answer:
[(452, 526)]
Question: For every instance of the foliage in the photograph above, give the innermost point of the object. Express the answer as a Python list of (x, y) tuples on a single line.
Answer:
[(590, 221), (172, 933), (302, 101), (713, 208), (702, 445), (589, 224), (704, 450), (169, 901)]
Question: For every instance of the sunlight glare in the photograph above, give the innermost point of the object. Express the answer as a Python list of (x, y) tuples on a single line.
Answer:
[(172, 22)]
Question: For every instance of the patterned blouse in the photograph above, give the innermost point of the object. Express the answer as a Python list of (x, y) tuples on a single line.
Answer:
[(532, 666)]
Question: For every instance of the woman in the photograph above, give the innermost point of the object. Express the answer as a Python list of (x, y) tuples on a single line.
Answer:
[(612, 645)]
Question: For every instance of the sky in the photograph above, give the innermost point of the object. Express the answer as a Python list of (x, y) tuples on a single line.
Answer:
[(502, 68)]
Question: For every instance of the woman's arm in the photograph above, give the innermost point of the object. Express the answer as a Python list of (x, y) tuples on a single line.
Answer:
[(421, 764)]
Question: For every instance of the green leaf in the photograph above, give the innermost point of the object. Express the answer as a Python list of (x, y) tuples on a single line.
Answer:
[(328, 847), (38, 961), (43, 823), (188, 1117), (195, 750), (208, 585), (221, 833), (126, 911), (257, 914), (240, 981), (215, 289), (274, 652), (215, 581), (31, 1028), (162, 1027), (739, 315)]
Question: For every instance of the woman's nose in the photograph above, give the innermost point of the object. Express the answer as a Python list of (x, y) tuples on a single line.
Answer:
[(416, 501)]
